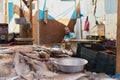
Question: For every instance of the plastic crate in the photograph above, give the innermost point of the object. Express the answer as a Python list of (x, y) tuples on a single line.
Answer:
[(111, 64), (92, 45), (100, 62), (89, 55)]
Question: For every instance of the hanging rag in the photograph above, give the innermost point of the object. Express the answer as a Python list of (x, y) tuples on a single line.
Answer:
[(86, 26)]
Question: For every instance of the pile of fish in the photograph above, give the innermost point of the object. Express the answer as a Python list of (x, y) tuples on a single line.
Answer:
[(28, 62), (35, 63)]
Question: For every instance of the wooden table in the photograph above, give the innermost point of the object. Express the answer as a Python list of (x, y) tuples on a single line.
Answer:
[(74, 42), (83, 40)]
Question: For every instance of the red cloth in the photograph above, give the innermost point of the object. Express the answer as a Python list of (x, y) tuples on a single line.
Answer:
[(11, 43), (86, 26)]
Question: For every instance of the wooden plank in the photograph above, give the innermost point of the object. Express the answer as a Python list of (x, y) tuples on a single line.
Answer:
[(6, 13), (118, 42), (30, 17), (78, 8)]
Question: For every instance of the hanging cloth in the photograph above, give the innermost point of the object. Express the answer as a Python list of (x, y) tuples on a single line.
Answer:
[(86, 26), (77, 29)]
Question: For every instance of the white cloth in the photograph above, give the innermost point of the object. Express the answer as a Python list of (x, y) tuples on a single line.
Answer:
[(13, 27), (77, 29)]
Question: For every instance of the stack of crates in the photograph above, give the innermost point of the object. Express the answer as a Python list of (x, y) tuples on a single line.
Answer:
[(98, 60), (89, 51)]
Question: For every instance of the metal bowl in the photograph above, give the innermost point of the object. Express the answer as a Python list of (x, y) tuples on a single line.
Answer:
[(70, 65)]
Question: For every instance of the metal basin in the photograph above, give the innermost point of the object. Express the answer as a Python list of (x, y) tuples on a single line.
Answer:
[(70, 65)]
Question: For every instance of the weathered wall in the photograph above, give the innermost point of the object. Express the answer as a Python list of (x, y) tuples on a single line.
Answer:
[(100, 11)]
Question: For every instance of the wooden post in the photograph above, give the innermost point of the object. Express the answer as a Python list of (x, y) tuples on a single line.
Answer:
[(6, 11), (21, 15), (118, 41), (78, 8), (38, 25), (30, 17)]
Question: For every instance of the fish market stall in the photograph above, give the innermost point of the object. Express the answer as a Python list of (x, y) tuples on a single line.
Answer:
[(34, 62)]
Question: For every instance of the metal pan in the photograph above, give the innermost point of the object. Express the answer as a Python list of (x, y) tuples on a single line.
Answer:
[(70, 65)]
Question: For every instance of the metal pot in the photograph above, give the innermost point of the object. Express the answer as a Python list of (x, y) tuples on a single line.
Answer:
[(70, 65)]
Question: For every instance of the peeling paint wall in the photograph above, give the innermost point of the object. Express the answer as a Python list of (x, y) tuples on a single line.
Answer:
[(96, 10)]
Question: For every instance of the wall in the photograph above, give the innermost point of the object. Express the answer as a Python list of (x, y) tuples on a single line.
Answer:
[(64, 14), (103, 11), (60, 15)]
